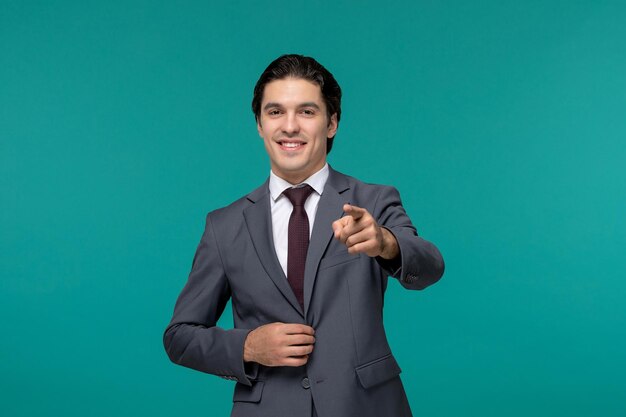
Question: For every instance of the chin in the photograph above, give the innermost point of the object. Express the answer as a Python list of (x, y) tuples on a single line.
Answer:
[(292, 170), (291, 166)]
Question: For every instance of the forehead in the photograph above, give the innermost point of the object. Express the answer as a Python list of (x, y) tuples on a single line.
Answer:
[(292, 91)]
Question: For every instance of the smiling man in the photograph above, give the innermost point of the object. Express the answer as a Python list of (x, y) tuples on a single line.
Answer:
[(305, 259), (295, 126)]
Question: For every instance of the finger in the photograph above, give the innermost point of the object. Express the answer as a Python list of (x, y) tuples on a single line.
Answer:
[(342, 222), (295, 328), (298, 351), (363, 247), (350, 230), (299, 339), (337, 227), (355, 211), (359, 237), (294, 361)]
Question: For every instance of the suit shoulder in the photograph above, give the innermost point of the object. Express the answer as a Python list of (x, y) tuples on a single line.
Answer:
[(235, 208), (369, 189), (371, 196)]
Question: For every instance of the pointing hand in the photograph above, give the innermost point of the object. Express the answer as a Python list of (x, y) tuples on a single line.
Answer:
[(360, 233)]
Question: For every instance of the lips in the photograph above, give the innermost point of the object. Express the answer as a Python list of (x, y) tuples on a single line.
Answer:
[(291, 145)]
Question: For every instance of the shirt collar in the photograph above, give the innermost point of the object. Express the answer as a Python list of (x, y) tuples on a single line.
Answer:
[(317, 181)]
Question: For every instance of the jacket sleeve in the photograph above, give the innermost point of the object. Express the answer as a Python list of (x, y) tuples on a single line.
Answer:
[(420, 263), (192, 338)]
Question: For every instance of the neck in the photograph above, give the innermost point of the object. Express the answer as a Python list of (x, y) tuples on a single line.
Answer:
[(295, 178)]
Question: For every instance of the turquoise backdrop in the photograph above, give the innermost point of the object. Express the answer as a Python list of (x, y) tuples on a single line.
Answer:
[(502, 123)]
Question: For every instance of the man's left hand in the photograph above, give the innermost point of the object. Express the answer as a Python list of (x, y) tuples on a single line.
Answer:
[(361, 234)]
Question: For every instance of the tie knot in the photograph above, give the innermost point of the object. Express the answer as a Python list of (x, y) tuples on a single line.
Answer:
[(298, 196)]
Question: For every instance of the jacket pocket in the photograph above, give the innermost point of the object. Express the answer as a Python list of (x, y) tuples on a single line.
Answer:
[(248, 394), (378, 371), (337, 259)]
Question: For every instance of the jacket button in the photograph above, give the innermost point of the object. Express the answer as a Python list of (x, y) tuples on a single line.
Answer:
[(305, 383)]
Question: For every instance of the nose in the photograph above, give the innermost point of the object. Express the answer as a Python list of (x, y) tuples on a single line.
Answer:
[(290, 124)]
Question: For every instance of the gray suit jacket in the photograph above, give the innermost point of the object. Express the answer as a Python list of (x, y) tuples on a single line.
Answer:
[(351, 371)]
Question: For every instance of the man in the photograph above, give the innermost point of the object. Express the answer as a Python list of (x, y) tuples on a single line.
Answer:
[(305, 259)]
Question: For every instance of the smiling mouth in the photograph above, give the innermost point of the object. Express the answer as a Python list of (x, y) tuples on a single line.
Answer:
[(291, 146)]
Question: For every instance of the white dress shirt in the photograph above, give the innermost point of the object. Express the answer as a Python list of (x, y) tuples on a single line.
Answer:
[(282, 207)]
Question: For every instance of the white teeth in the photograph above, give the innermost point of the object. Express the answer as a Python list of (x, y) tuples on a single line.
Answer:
[(291, 145)]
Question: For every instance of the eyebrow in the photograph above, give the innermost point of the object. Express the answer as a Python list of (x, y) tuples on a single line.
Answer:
[(306, 104)]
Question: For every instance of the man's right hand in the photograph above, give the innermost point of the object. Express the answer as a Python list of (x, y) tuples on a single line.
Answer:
[(279, 344)]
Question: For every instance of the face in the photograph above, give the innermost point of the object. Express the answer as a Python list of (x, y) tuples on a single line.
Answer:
[(294, 126)]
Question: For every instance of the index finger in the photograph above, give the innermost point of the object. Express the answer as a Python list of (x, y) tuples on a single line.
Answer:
[(355, 211), (295, 328)]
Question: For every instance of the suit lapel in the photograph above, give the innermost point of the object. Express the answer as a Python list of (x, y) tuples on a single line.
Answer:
[(259, 222), (329, 209)]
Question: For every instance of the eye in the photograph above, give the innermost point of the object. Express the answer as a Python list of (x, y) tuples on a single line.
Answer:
[(273, 112), (308, 112)]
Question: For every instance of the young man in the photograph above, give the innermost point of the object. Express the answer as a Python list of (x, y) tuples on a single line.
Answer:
[(305, 259)]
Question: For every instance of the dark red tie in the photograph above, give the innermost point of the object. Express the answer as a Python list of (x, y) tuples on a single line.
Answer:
[(298, 239)]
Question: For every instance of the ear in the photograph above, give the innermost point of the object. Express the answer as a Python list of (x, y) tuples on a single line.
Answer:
[(259, 127), (332, 126)]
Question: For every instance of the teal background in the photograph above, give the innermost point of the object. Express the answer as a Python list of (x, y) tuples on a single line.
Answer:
[(502, 124)]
